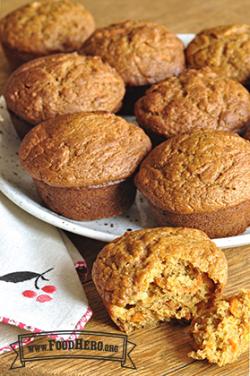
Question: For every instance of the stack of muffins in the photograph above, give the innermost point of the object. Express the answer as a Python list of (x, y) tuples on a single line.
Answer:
[(192, 105)]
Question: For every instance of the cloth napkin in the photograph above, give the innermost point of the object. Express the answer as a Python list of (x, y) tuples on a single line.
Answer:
[(39, 286)]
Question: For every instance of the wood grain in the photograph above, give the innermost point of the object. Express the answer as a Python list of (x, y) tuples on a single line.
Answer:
[(161, 351)]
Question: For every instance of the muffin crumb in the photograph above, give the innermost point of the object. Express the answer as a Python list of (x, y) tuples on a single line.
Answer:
[(221, 332)]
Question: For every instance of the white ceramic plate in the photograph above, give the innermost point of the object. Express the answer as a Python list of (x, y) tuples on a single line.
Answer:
[(19, 188)]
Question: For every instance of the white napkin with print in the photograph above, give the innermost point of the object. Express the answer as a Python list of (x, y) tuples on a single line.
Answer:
[(39, 286)]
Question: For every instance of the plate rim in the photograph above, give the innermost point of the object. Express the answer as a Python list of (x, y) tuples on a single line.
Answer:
[(56, 220), (37, 210)]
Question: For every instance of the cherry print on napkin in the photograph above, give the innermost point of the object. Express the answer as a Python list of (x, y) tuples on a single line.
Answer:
[(29, 294), (49, 289), (17, 277), (43, 298)]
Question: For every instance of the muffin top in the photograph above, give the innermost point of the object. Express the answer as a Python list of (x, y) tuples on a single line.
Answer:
[(46, 26), (226, 49), (194, 99), (125, 267), (198, 172), (142, 52), (64, 83), (83, 150)]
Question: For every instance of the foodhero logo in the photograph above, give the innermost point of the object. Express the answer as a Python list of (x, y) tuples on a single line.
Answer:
[(80, 344)]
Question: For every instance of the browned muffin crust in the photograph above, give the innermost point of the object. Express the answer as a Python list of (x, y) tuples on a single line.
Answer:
[(142, 52), (192, 177), (153, 275), (64, 83), (88, 203), (195, 99), (220, 223), (83, 150), (226, 49), (221, 332), (45, 27), (82, 164)]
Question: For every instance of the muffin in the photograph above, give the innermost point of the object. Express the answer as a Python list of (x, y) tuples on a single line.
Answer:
[(142, 52), (82, 164), (154, 275), (59, 84), (221, 332), (44, 27), (200, 180), (194, 99), (226, 49)]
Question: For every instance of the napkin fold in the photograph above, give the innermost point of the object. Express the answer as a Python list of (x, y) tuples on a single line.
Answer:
[(39, 286)]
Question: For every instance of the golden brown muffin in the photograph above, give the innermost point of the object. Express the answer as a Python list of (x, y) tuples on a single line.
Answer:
[(44, 27), (194, 99), (82, 163), (226, 49), (64, 83), (142, 52), (154, 275), (200, 180), (221, 332)]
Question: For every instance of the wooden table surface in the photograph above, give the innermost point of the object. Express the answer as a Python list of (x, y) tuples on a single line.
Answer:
[(161, 351)]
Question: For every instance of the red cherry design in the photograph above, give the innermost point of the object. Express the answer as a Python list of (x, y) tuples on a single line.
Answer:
[(43, 298), (49, 289), (29, 294)]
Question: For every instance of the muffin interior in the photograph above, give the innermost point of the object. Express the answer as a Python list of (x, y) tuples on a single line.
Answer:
[(221, 333), (175, 292)]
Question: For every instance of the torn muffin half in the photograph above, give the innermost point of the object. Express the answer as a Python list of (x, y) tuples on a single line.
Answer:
[(221, 332), (154, 275)]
